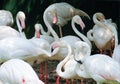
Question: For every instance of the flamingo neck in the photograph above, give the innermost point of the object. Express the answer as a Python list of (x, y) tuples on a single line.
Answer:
[(80, 70), (63, 62), (84, 38), (50, 27), (115, 34), (43, 31), (95, 20), (20, 28), (83, 51)]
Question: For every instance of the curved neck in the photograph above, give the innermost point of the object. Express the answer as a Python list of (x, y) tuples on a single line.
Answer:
[(95, 20), (49, 26), (63, 62), (84, 38), (114, 31), (82, 51), (20, 28), (43, 31), (83, 54)]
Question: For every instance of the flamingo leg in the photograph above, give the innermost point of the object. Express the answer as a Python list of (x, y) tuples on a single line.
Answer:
[(60, 29), (67, 81), (72, 81), (41, 71), (46, 73), (58, 80), (82, 81)]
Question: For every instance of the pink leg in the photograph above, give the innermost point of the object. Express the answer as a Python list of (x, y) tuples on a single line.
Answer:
[(72, 81), (60, 29), (82, 81), (46, 73), (41, 71), (67, 81), (58, 80)]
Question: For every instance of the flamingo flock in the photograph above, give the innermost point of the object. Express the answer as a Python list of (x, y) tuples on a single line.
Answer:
[(18, 54)]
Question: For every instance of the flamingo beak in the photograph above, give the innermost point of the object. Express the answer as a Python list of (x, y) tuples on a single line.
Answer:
[(54, 46), (22, 21), (55, 18), (82, 25), (37, 34)]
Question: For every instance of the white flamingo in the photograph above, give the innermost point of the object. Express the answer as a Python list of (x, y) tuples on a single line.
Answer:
[(13, 47), (44, 35), (38, 41), (6, 18), (66, 63), (17, 71), (7, 31), (103, 33), (60, 14), (100, 67)]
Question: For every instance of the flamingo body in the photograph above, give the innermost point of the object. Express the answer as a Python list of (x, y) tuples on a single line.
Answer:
[(16, 71), (6, 18), (19, 48), (100, 67)]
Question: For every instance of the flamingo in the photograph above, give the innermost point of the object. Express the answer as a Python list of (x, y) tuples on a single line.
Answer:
[(61, 53), (66, 63), (21, 48), (38, 41), (17, 71), (20, 20), (6, 18), (103, 33), (7, 31), (60, 14), (45, 35), (99, 67)]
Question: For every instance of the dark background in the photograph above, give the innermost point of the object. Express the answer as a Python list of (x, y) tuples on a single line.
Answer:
[(34, 12)]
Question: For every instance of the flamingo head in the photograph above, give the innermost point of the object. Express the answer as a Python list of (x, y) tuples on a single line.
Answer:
[(100, 16), (21, 17), (81, 51), (55, 47), (77, 19), (55, 18)]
